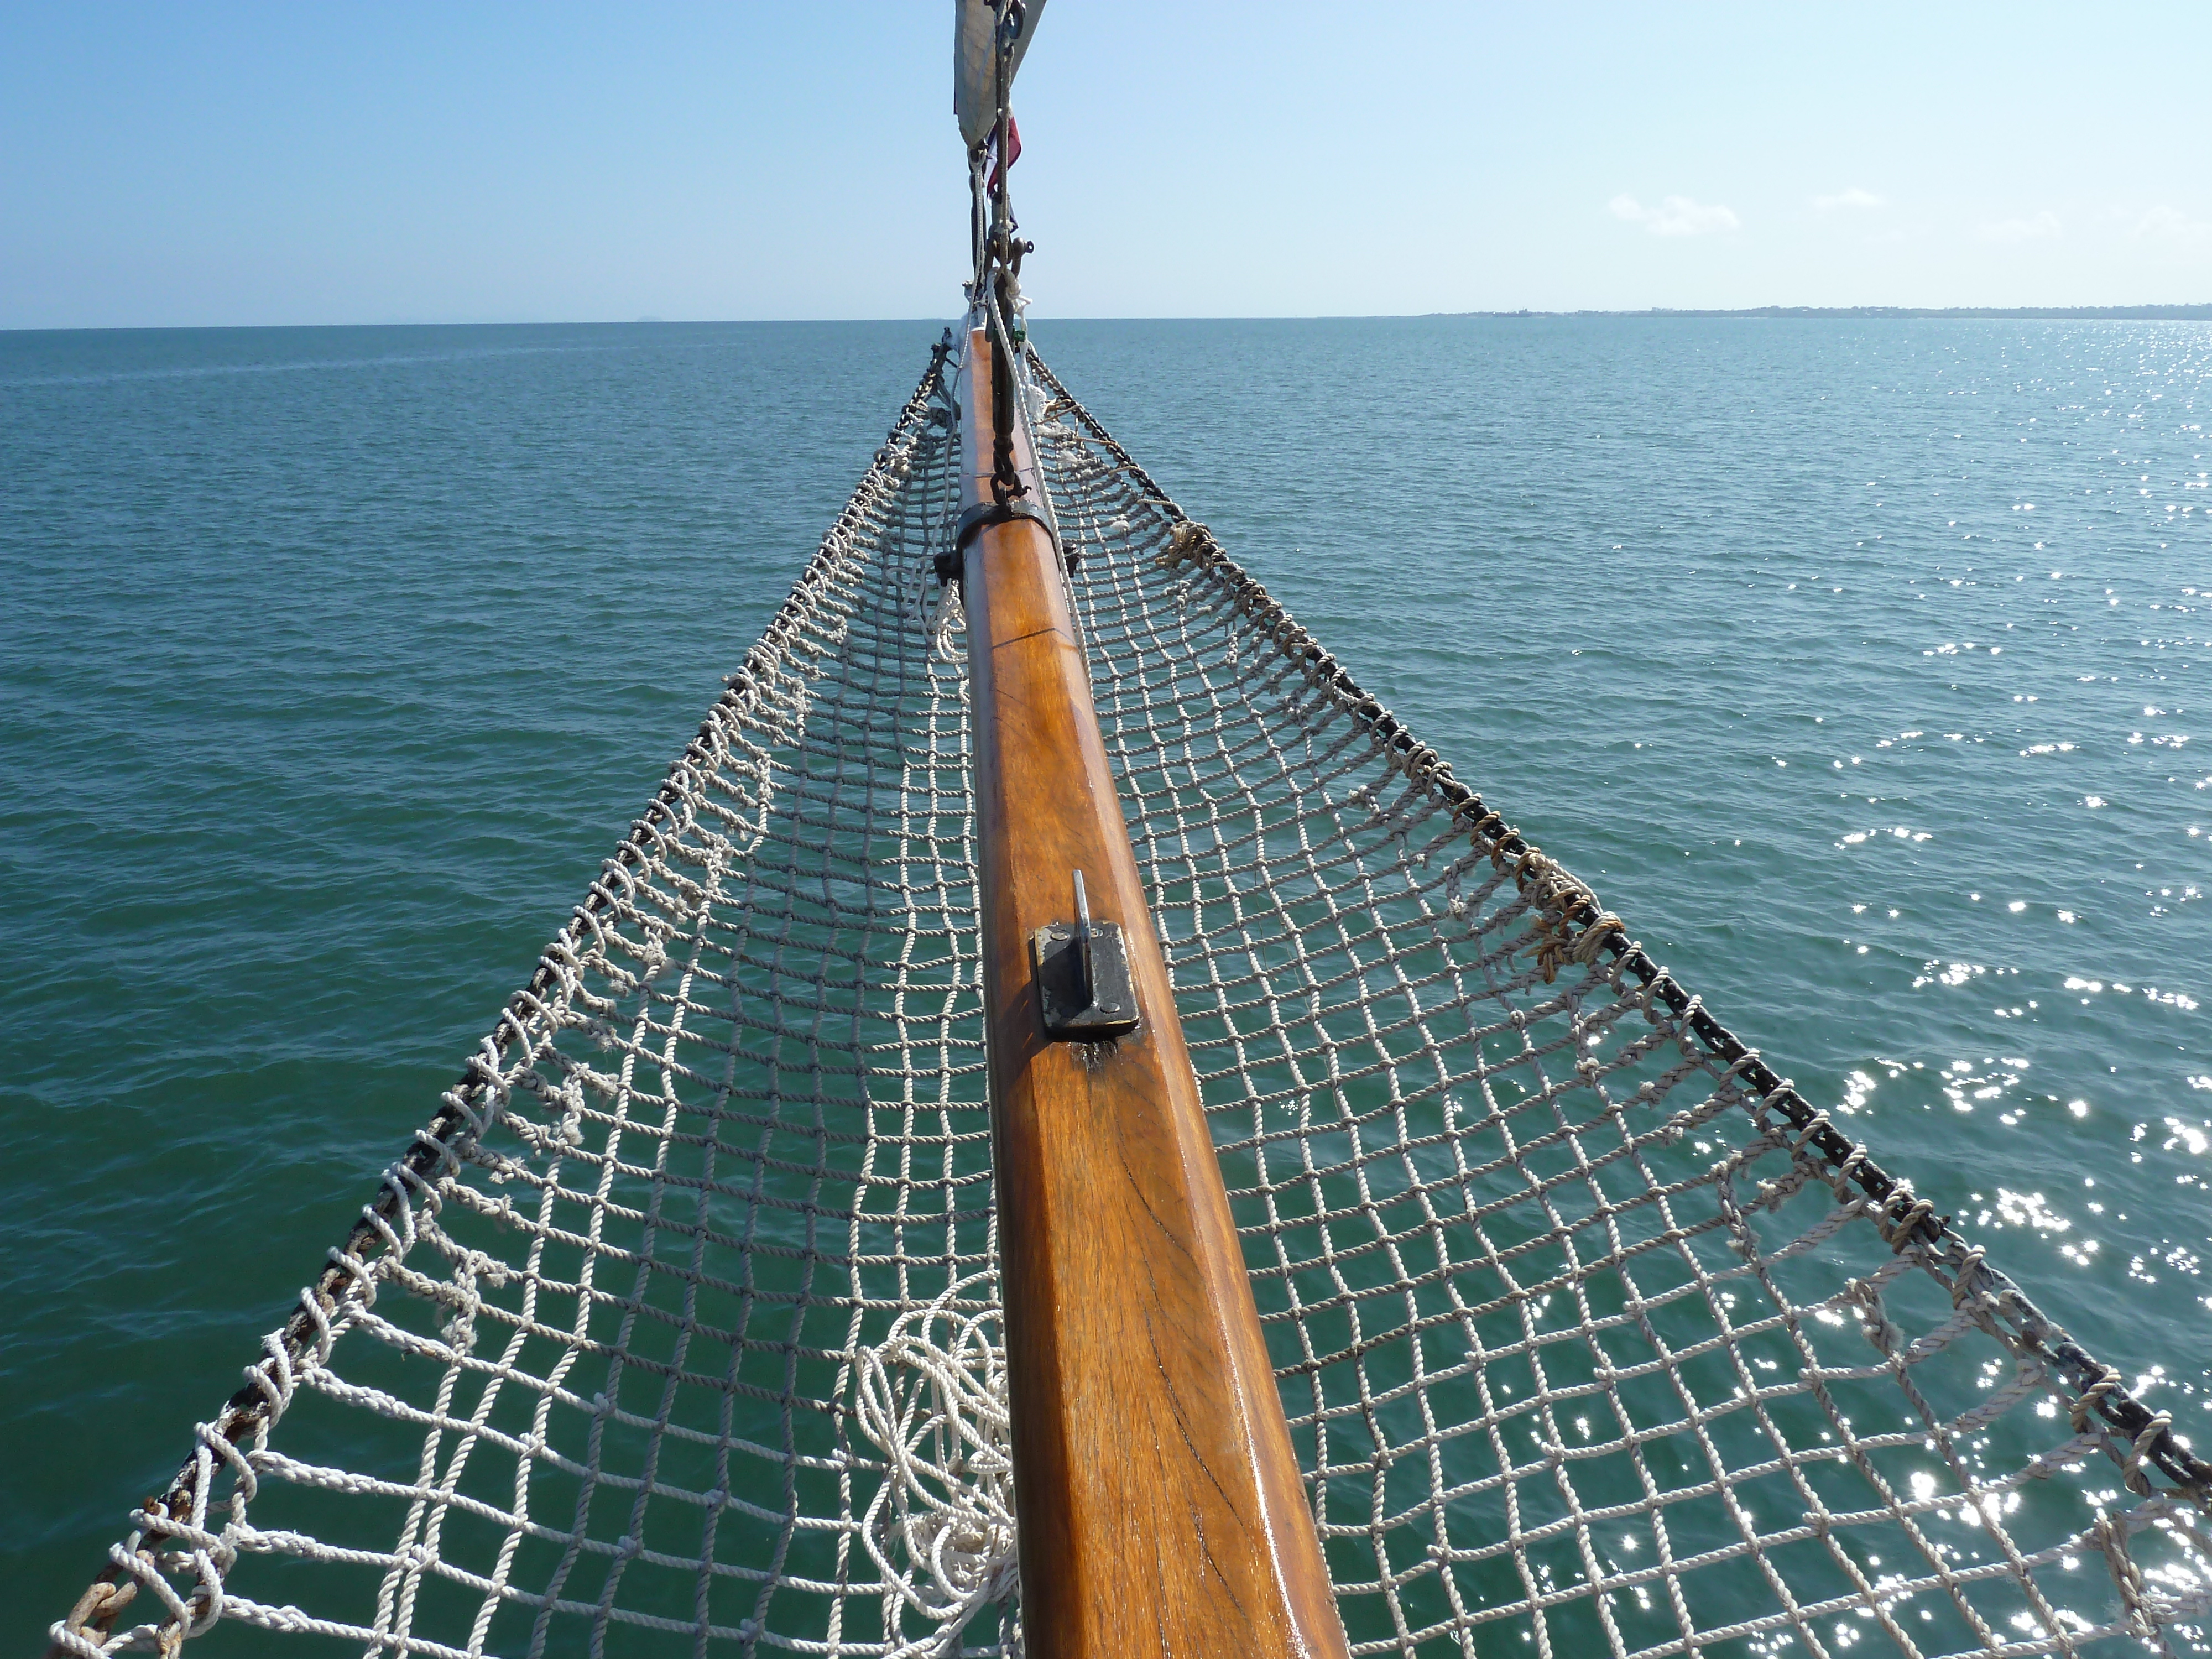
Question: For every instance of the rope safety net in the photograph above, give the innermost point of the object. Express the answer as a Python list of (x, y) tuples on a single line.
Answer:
[(676, 1328)]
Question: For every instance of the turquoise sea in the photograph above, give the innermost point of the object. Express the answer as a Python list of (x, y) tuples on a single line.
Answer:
[(1857, 664)]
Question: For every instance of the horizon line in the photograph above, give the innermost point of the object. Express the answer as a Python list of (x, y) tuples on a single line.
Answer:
[(2183, 311)]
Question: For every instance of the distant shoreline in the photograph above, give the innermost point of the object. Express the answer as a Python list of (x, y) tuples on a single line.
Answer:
[(2058, 314), (2015, 314)]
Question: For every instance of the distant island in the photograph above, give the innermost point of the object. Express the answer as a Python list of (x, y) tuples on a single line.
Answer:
[(2111, 313)]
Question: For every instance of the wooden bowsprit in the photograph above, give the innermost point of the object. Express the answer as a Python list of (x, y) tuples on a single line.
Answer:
[(1159, 1502)]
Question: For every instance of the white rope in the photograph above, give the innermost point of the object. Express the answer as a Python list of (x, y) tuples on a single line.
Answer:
[(675, 1330), (933, 1399)]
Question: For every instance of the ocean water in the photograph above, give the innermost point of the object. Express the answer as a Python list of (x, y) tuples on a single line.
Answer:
[(1856, 663)]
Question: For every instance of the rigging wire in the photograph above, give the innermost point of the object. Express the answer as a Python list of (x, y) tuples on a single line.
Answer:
[(999, 278)]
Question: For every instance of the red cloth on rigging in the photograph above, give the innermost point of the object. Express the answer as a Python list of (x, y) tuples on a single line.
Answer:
[(1013, 148)]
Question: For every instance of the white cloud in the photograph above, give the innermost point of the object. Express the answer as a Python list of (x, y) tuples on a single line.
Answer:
[(1675, 216), (2042, 225), (2174, 227), (1852, 197)]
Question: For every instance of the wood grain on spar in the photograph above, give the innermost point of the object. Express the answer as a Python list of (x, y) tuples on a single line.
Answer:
[(1159, 1502)]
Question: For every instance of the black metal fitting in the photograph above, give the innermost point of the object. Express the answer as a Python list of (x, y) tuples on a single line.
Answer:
[(1084, 994), (978, 519)]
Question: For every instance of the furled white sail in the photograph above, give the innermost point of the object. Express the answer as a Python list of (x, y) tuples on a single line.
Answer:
[(975, 90)]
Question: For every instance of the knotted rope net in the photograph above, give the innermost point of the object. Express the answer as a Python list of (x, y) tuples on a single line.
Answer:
[(676, 1329)]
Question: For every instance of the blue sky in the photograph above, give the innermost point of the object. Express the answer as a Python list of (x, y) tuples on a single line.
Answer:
[(238, 164)]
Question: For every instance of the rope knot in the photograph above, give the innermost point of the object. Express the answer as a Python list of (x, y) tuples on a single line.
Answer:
[(1964, 1283), (1187, 544), (1594, 936), (1865, 1296), (2131, 1460), (1901, 1231), (2078, 1413)]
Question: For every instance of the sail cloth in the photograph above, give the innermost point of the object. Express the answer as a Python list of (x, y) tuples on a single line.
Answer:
[(976, 63), (676, 1331)]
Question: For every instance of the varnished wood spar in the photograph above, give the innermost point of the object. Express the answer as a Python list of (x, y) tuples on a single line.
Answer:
[(1158, 1500)]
